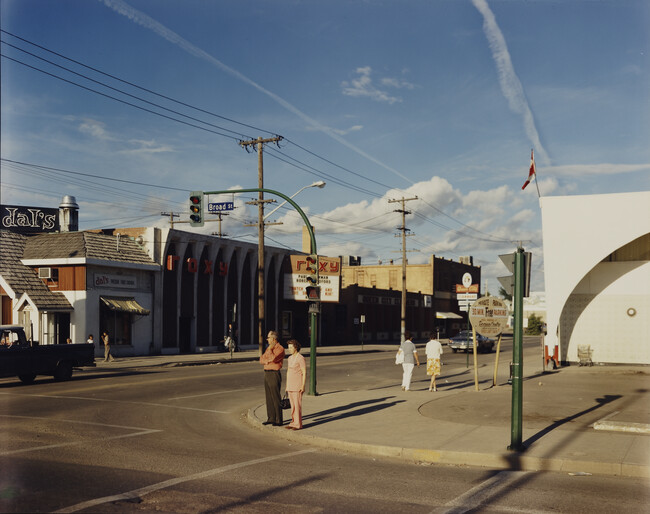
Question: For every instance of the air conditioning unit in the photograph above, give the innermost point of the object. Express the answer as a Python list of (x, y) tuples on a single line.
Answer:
[(44, 272)]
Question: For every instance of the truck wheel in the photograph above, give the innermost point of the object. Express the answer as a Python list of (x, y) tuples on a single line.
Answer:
[(63, 371), (27, 378)]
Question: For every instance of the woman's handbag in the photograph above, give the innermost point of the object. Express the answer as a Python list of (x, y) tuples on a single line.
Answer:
[(284, 402), (399, 357)]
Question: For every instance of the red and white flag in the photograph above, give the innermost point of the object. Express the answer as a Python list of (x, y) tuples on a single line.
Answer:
[(531, 171)]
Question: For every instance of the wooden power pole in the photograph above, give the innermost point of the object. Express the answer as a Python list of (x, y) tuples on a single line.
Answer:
[(259, 143), (403, 229)]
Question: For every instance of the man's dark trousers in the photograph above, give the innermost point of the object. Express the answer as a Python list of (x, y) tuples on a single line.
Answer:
[(272, 384)]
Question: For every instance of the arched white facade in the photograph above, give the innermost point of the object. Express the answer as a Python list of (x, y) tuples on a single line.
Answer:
[(597, 275)]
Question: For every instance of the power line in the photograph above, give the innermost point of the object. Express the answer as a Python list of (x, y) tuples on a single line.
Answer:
[(160, 95), (117, 99)]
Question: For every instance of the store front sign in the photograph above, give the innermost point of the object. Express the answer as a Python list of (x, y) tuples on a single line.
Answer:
[(121, 281), (28, 220)]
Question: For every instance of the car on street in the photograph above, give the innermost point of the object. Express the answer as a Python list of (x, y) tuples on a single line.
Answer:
[(463, 342)]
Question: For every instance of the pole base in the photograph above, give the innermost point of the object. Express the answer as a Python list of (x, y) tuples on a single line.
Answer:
[(516, 448)]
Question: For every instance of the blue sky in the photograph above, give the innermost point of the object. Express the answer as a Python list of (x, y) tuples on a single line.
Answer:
[(440, 99)]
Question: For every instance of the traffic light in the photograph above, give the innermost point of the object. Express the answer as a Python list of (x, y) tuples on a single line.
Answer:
[(312, 269), (196, 208)]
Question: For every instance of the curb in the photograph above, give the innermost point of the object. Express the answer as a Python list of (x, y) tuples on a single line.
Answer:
[(511, 461)]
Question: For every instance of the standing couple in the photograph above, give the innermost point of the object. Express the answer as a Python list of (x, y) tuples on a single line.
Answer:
[(433, 351), (272, 360)]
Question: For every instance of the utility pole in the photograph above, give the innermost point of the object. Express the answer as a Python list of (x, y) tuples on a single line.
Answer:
[(259, 143), (219, 232), (403, 229), (171, 215)]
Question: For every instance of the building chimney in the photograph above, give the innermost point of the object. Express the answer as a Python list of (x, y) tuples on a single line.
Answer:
[(69, 214)]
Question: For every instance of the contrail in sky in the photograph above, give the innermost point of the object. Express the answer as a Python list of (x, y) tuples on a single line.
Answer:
[(510, 85), (146, 21)]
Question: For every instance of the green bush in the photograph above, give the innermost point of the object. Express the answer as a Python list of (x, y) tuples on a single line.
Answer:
[(534, 325)]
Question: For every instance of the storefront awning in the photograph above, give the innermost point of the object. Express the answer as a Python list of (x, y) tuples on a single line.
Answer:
[(448, 315), (124, 304)]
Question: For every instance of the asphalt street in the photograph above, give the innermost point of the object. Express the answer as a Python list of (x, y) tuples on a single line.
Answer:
[(139, 437)]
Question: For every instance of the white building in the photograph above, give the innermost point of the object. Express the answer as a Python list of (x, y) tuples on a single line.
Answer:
[(597, 275)]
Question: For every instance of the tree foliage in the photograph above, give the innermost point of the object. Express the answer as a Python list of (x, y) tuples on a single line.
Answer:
[(534, 325), (504, 294)]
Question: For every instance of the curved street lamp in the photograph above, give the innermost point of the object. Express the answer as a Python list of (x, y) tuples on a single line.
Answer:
[(320, 184)]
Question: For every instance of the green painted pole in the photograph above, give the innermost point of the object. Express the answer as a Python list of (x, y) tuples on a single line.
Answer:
[(313, 322), (517, 354)]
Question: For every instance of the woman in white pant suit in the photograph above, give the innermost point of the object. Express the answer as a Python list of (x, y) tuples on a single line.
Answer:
[(410, 361)]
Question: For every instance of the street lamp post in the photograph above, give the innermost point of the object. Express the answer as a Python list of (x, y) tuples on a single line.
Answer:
[(313, 250), (320, 184)]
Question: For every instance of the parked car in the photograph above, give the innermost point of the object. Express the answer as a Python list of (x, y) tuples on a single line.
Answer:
[(463, 341)]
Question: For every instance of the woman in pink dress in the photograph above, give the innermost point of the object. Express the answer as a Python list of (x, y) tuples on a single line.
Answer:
[(296, 375)]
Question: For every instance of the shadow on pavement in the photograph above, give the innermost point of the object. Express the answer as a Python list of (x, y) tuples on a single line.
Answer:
[(600, 402), (329, 415)]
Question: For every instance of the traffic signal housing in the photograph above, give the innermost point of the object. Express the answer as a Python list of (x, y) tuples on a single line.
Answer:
[(196, 208), (508, 282), (312, 269)]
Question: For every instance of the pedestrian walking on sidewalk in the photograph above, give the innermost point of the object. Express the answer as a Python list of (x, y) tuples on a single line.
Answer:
[(272, 360), (410, 361), (107, 348), (434, 352), (296, 376)]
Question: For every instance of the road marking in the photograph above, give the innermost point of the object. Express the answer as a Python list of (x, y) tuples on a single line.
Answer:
[(209, 394), (610, 415), (137, 493), (140, 431), (117, 401), (480, 494)]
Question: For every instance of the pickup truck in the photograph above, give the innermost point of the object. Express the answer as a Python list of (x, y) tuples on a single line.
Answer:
[(22, 359)]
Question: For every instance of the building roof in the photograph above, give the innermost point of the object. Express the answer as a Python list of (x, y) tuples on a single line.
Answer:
[(85, 245), (22, 279)]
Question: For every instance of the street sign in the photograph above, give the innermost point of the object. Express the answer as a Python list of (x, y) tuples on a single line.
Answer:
[(488, 316), (467, 296), (473, 288), (463, 308), (221, 206)]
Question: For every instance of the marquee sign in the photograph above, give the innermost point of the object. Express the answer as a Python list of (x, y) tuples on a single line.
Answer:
[(29, 220), (329, 278)]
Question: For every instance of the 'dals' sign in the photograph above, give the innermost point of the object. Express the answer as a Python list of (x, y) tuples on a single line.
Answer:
[(28, 220), (329, 278), (488, 316)]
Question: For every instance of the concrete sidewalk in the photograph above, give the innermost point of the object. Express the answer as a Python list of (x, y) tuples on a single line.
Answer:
[(575, 419)]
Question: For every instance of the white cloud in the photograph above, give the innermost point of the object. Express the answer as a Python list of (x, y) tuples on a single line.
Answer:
[(353, 128), (585, 170), (143, 147), (95, 129), (363, 86)]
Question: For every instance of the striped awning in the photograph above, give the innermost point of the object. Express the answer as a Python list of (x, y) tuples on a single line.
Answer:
[(124, 304), (448, 315)]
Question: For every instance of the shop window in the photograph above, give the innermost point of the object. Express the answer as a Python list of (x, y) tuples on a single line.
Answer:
[(117, 324)]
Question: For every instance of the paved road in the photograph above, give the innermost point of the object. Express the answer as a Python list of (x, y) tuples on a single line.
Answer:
[(175, 439)]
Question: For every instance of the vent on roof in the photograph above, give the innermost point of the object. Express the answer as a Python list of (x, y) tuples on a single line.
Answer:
[(44, 272)]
